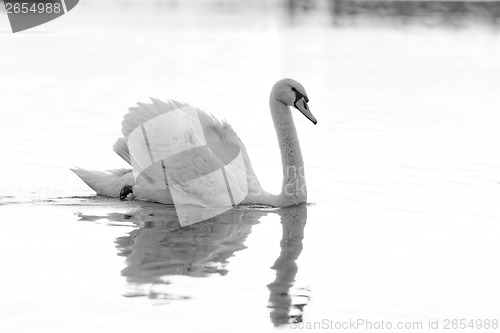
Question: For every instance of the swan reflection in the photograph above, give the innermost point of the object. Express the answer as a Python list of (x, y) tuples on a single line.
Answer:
[(159, 249), (287, 306)]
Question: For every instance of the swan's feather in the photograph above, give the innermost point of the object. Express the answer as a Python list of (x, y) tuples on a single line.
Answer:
[(180, 132), (108, 183), (143, 112), (120, 147), (214, 131)]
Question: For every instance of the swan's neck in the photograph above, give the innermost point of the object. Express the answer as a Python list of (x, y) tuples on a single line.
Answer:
[(293, 189)]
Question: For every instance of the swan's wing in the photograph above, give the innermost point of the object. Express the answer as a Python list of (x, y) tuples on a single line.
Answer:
[(143, 112), (120, 147), (217, 131), (214, 129), (137, 116), (178, 133)]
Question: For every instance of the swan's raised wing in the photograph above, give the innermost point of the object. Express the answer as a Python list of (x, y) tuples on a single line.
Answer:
[(137, 116), (143, 112), (181, 154), (175, 147), (214, 129)]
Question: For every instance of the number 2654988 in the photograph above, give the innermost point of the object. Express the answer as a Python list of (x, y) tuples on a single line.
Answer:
[(33, 8)]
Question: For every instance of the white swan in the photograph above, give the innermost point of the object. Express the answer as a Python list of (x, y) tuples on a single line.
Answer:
[(285, 93)]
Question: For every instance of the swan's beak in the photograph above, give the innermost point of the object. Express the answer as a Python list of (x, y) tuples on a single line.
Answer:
[(301, 105)]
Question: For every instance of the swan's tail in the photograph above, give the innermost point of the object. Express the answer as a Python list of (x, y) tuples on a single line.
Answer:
[(108, 183)]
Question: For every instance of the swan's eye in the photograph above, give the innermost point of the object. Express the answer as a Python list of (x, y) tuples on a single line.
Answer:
[(299, 95)]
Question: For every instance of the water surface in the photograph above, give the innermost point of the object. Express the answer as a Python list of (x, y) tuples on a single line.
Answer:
[(403, 174)]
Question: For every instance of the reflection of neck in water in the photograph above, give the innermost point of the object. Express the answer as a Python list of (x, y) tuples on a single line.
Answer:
[(283, 308)]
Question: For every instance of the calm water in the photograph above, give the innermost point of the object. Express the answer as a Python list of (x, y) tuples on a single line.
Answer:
[(403, 173)]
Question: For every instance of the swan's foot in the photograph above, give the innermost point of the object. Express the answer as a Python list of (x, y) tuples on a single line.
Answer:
[(126, 190)]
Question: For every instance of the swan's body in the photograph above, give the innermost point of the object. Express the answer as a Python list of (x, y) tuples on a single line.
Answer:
[(284, 94)]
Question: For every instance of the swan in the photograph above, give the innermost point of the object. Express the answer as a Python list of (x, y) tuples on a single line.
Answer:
[(285, 93)]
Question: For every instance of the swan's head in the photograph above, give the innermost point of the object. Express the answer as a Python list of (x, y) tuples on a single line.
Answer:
[(292, 93)]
